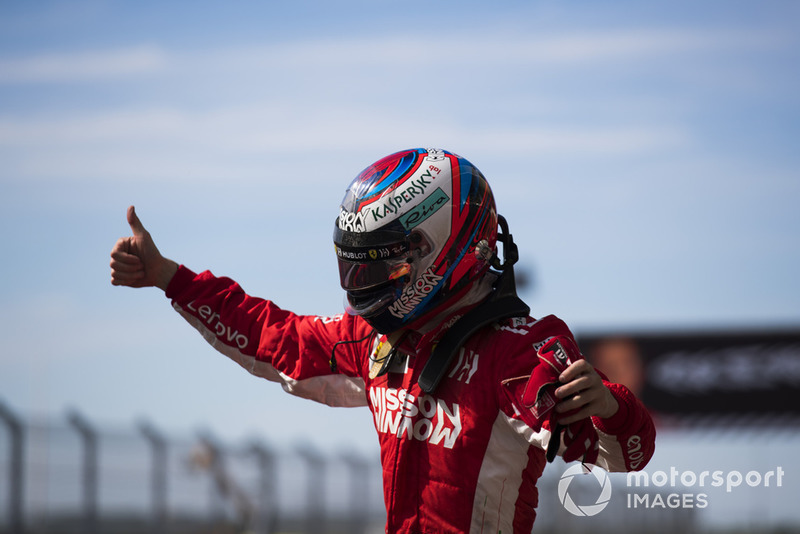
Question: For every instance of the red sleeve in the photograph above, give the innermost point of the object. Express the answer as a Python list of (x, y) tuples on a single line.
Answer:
[(273, 343), (628, 438)]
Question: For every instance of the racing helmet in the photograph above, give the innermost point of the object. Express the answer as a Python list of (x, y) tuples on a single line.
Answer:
[(413, 233)]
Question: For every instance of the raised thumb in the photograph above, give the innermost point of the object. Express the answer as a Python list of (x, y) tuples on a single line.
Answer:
[(136, 225)]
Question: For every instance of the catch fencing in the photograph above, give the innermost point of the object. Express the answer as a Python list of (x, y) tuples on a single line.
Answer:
[(75, 476)]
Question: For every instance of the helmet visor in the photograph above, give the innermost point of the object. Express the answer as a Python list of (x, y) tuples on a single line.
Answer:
[(361, 269), (370, 259)]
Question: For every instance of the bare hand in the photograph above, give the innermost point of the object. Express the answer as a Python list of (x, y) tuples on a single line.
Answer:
[(583, 390), (136, 261)]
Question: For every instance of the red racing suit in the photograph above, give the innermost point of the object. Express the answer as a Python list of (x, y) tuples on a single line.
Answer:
[(456, 461)]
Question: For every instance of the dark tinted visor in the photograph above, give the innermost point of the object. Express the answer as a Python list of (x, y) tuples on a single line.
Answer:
[(359, 276), (369, 259), (363, 268)]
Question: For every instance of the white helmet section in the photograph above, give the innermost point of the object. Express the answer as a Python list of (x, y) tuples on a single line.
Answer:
[(413, 202)]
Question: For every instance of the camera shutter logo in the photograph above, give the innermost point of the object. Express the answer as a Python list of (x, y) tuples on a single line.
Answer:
[(586, 510)]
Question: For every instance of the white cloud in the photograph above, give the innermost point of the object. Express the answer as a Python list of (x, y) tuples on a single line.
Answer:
[(169, 143), (84, 66), (490, 49), (260, 127), (322, 107), (497, 48)]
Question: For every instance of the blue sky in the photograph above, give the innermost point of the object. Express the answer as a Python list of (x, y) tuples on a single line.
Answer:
[(645, 155)]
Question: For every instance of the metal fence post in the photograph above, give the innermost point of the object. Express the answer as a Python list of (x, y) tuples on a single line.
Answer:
[(16, 475), (315, 488), (158, 476), (88, 437), (266, 514), (359, 491)]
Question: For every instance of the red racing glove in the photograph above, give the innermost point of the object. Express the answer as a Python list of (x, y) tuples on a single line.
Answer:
[(539, 397)]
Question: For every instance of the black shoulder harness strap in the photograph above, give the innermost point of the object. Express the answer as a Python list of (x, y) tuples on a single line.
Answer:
[(503, 303)]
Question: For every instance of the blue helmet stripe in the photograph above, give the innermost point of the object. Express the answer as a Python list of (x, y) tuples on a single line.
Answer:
[(466, 181), (386, 181)]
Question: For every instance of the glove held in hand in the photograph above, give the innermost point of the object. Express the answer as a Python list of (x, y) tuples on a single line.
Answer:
[(538, 400)]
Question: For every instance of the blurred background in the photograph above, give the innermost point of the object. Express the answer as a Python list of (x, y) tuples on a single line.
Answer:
[(644, 154)]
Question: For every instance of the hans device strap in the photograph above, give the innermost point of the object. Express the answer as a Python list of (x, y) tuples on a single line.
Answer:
[(503, 303)]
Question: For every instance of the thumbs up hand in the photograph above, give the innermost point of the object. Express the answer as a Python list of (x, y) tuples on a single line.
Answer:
[(136, 261)]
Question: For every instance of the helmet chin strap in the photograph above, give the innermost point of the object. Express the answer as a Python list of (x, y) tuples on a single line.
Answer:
[(503, 303)]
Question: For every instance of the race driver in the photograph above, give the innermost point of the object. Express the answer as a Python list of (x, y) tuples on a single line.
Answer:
[(469, 394)]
